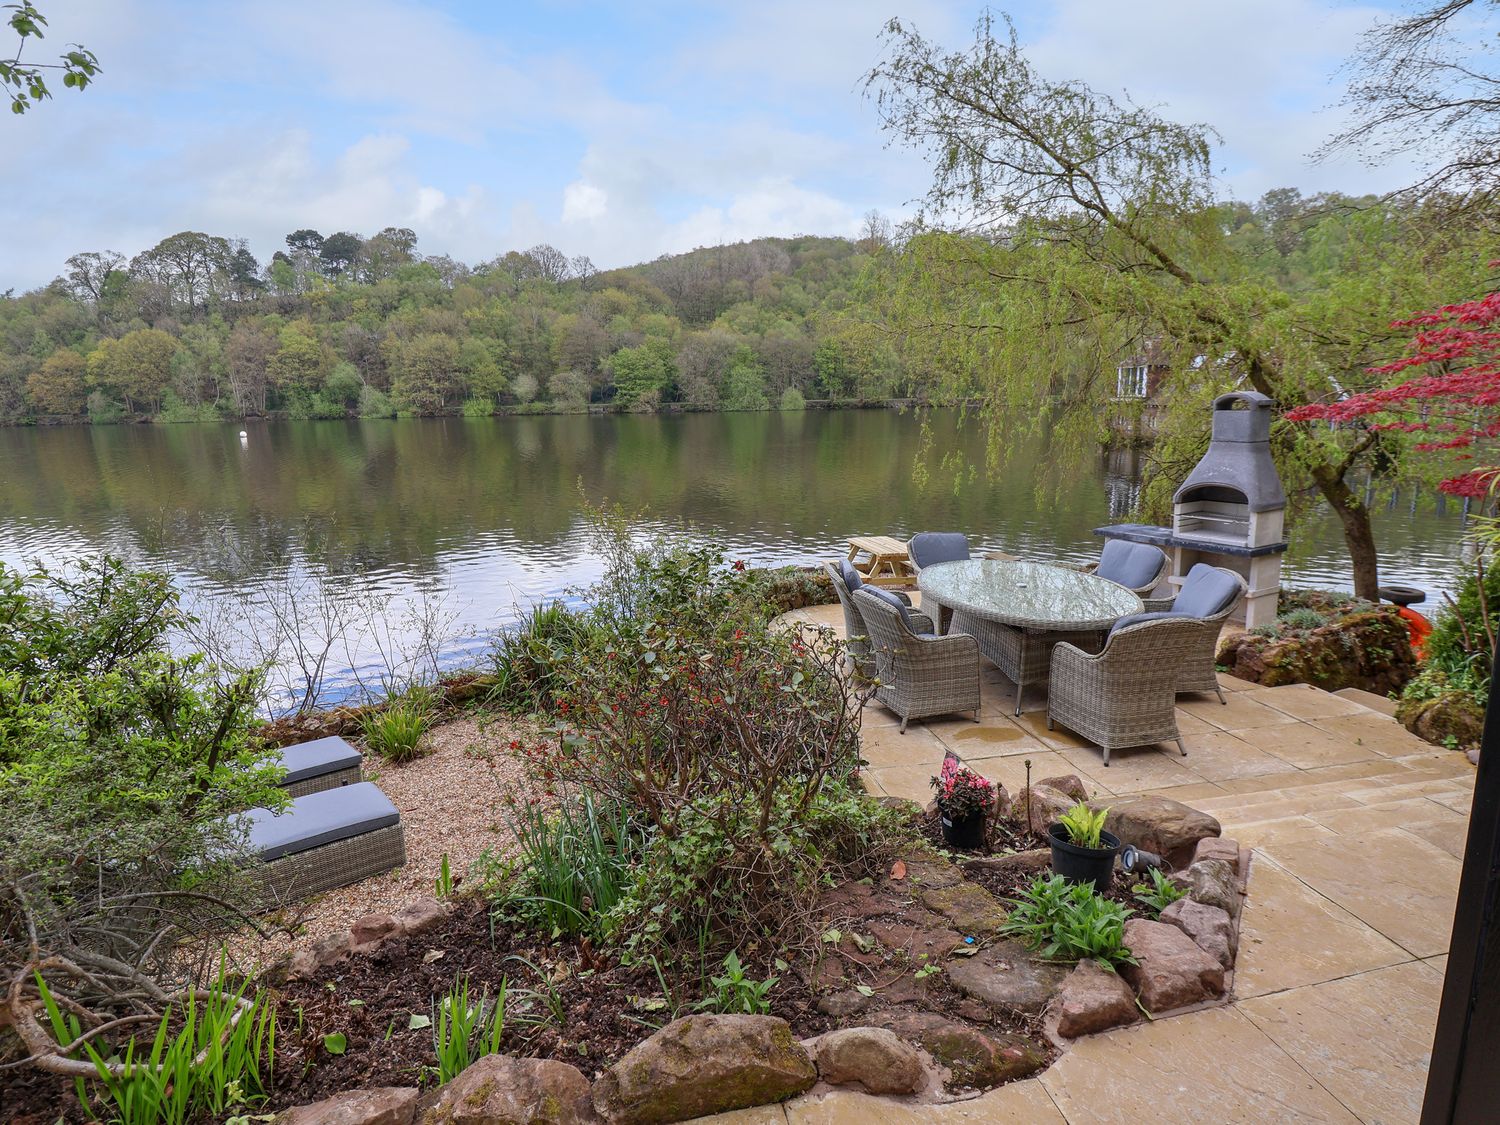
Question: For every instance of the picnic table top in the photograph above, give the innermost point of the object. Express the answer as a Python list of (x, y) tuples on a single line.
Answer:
[(878, 544)]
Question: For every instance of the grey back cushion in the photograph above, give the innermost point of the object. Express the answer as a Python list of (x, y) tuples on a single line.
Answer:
[(320, 818), (1137, 618), (900, 607), (314, 759), (931, 547), (1206, 591), (1131, 565), (851, 576)]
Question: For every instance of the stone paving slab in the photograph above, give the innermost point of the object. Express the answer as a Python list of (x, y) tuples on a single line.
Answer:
[(1357, 827), (1210, 1066), (1367, 1039), (1392, 881), (1380, 704), (1291, 936)]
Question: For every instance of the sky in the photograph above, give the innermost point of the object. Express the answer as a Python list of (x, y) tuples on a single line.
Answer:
[(618, 131)]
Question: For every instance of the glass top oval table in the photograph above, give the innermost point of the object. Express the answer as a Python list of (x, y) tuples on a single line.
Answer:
[(1017, 611)]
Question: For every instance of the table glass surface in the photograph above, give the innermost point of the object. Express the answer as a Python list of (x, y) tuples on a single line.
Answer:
[(1026, 594)]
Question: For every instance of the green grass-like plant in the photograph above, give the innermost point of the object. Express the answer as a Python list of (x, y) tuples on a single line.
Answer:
[(575, 863), (735, 993), (1069, 922), (395, 731), (1159, 894), (464, 1032), (201, 1063), (1084, 825)]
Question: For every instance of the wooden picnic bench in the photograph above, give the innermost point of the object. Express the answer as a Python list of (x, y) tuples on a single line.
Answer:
[(881, 560)]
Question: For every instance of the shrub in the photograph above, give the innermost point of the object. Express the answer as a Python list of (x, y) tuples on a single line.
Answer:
[(734, 746), (119, 767), (1069, 921), (1463, 636), (791, 399), (395, 731)]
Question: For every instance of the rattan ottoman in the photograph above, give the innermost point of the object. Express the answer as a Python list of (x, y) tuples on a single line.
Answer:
[(327, 839), (325, 763)]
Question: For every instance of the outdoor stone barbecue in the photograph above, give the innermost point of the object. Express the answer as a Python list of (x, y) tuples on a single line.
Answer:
[(1230, 511)]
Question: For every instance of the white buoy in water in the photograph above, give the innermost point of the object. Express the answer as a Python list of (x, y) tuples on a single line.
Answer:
[(244, 436)]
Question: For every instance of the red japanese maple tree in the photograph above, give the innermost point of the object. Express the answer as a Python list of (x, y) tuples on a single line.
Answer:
[(1453, 396)]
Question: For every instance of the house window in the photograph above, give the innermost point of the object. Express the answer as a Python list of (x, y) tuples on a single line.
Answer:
[(1130, 382)]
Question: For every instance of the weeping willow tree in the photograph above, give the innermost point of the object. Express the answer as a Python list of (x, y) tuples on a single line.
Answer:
[(1064, 226)]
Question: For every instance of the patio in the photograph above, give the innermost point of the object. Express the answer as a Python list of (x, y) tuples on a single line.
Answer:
[(1358, 830)]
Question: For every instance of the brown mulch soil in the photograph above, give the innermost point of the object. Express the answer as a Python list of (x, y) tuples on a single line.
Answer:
[(569, 1002)]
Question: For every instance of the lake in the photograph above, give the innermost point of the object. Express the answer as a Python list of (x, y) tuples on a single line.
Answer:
[(445, 528)]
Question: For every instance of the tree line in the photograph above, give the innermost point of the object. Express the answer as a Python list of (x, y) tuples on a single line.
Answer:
[(341, 325)]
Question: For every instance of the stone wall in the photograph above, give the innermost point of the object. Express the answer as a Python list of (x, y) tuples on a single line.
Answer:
[(1368, 648)]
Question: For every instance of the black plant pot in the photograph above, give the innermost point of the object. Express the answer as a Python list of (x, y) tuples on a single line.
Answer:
[(1084, 865), (967, 832)]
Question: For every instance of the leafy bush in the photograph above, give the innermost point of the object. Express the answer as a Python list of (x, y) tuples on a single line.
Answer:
[(463, 1033), (1069, 921), (733, 745), (530, 661), (1303, 619), (1159, 894), (792, 399), (120, 765), (1463, 636), (735, 993), (395, 731)]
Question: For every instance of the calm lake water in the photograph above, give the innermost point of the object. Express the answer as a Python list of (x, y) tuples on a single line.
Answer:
[(465, 521)]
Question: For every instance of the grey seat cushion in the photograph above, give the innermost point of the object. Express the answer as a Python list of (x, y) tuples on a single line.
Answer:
[(901, 607), (1137, 618), (1207, 591), (1131, 565), (852, 577), (929, 547), (320, 818), (314, 759)]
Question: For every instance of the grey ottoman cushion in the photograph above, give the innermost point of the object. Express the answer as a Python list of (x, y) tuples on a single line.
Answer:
[(314, 759), (320, 818)]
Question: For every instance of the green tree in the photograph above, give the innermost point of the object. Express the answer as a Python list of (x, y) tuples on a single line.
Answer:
[(299, 362), (745, 382), (137, 367), (1074, 220), (428, 374), (58, 387), (644, 374), (26, 82)]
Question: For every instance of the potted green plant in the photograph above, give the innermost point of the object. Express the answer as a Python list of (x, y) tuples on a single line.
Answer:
[(964, 800), (1082, 852)]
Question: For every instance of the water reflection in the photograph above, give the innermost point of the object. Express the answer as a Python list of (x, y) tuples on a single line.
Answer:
[(488, 511)]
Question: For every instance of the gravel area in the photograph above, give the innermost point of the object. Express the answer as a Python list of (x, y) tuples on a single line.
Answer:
[(450, 801)]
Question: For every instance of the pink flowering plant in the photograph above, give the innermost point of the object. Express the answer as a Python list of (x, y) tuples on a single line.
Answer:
[(962, 793)]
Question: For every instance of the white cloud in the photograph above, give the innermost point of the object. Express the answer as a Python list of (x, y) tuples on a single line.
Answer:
[(583, 202), (710, 124)]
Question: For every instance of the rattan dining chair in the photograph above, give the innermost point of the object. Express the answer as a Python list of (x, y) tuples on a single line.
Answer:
[(1208, 596), (929, 547), (1139, 567), (918, 675), (1125, 694), (846, 580)]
